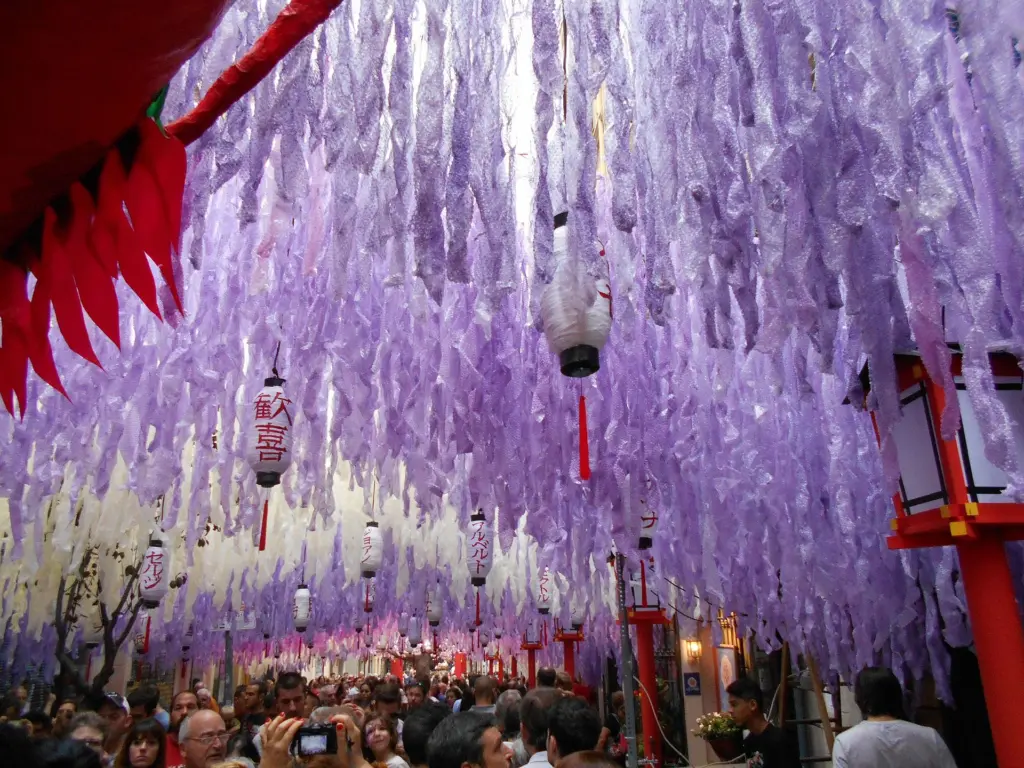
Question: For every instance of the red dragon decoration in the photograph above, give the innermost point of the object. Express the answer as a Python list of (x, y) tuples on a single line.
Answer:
[(86, 147)]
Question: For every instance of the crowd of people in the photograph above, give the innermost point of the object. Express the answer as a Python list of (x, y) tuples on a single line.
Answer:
[(415, 722)]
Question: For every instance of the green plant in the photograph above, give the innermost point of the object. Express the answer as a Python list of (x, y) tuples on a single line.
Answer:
[(716, 725)]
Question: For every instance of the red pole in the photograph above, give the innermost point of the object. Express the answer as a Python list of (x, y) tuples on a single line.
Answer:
[(570, 659), (998, 639), (531, 660), (988, 585), (515, 666), (648, 690)]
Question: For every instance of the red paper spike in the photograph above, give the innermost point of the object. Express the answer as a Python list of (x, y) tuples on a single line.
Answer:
[(165, 158), (95, 287), (39, 350), (113, 234), (67, 305), (263, 529), (145, 206), (14, 314), (13, 368), (584, 441)]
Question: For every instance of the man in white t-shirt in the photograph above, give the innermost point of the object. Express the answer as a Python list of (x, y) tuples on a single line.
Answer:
[(884, 739)]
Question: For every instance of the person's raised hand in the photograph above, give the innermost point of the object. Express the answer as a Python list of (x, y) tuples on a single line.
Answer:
[(277, 736), (350, 743)]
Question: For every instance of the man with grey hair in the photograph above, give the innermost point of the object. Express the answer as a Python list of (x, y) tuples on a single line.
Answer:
[(506, 712), (203, 739)]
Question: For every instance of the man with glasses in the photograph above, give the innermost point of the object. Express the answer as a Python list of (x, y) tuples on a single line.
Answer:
[(65, 713), (90, 729), (203, 739)]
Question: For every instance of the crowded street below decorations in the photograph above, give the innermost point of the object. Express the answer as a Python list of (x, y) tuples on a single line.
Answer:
[(511, 383)]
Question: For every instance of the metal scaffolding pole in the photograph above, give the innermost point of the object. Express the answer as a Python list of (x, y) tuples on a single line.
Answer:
[(632, 760)]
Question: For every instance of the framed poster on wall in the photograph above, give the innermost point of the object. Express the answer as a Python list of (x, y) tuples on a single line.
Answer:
[(726, 672)]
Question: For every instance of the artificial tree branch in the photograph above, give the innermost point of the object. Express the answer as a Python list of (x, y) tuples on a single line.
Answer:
[(129, 589), (133, 615)]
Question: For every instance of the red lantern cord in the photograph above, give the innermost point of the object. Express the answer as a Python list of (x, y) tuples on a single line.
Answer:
[(292, 25), (584, 441), (263, 528)]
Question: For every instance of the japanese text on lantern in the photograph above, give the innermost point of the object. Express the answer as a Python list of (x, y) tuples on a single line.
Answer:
[(272, 424), (268, 408), (480, 547), (152, 569), (545, 580), (648, 519), (270, 441), (367, 546)]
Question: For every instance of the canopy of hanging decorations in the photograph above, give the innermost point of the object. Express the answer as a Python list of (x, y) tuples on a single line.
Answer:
[(759, 198)]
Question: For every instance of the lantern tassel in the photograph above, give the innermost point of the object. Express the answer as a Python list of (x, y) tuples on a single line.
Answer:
[(584, 441), (263, 527)]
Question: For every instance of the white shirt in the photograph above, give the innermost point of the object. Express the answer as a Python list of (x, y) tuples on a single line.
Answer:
[(396, 762), (891, 744), (540, 759)]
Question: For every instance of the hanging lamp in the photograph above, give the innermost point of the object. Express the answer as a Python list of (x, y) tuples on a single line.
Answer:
[(577, 315), (270, 440), (154, 573)]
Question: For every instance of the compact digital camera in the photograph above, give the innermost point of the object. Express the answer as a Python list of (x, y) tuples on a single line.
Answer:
[(320, 739)]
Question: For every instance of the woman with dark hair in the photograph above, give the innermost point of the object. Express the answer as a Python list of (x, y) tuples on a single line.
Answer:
[(145, 746), (382, 741), (452, 695), (884, 739)]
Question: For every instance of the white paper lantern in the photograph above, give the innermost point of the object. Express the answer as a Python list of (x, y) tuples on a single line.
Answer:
[(544, 591), (92, 634), (415, 631), (484, 639), (270, 433), (369, 594), (435, 609), (480, 541), (154, 573), (357, 623), (578, 616), (142, 627), (301, 608), (576, 311), (277, 650), (403, 625), (367, 640), (648, 525), (373, 550), (186, 641), (497, 633), (382, 644)]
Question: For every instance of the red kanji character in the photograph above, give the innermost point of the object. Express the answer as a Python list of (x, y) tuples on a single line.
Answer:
[(270, 442), (264, 406), (649, 519)]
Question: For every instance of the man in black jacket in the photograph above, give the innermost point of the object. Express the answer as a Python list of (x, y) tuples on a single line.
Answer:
[(746, 702)]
